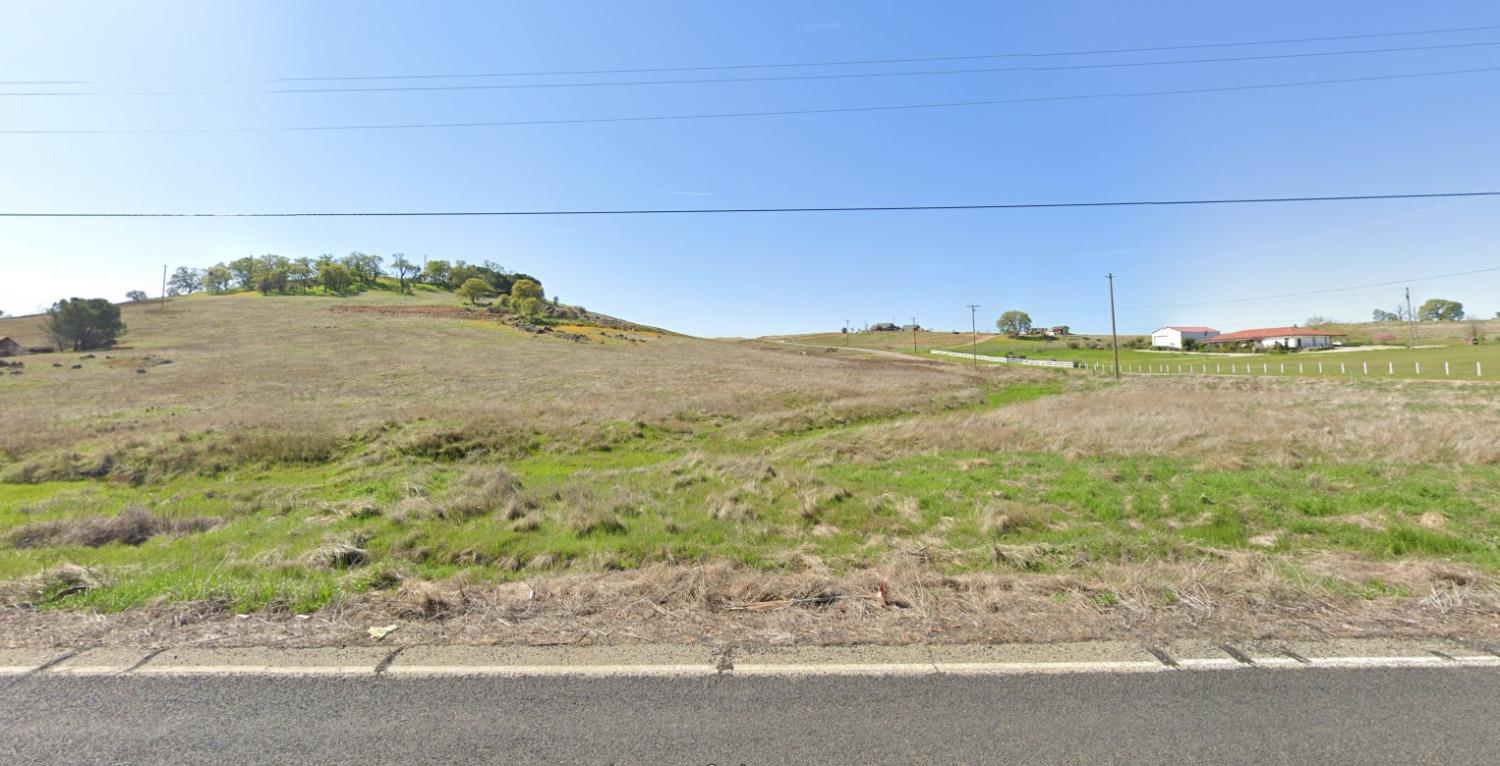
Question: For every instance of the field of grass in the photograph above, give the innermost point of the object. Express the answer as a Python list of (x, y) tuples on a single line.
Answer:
[(287, 455)]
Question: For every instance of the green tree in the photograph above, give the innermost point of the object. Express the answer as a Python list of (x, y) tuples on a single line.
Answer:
[(1318, 321), (463, 272), (363, 267), (522, 289), (333, 276), (404, 269), (1440, 310), (436, 273), (185, 281), (217, 278), (137, 295), (243, 271), (530, 307), (84, 324), (473, 289), (301, 272), (1014, 322), (1381, 315)]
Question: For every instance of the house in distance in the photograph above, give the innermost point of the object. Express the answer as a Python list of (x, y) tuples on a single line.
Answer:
[(9, 347), (1290, 338), (1173, 337)]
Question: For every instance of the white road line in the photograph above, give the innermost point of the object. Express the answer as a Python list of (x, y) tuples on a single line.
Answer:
[(551, 670)]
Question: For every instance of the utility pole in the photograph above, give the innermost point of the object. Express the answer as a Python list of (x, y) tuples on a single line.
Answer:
[(914, 335), (1114, 335), (974, 332), (164, 285), (846, 333), (1411, 323)]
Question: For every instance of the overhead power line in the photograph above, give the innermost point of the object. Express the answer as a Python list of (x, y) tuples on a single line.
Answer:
[(746, 210), (762, 78), (767, 113), (1324, 291), (778, 65)]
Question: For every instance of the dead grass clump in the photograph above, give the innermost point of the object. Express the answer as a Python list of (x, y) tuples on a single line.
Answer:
[(999, 518), (815, 501), (339, 554), (731, 506), (283, 446), (423, 601), (585, 522), (56, 583), (482, 490), (468, 441), (37, 534), (131, 526)]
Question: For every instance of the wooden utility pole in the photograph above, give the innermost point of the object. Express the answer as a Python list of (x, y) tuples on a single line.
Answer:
[(1114, 335), (914, 335), (974, 332), (846, 333), (164, 285), (1411, 323)]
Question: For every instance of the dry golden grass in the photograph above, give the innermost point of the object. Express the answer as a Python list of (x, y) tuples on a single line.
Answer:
[(291, 378), (1225, 422)]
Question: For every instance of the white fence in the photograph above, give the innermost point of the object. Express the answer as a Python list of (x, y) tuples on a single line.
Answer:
[(1008, 359), (1407, 370)]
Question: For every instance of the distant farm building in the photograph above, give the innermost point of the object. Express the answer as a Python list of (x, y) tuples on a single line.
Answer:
[(883, 327), (911, 327), (1061, 329), (9, 347), (1277, 337), (1173, 337)]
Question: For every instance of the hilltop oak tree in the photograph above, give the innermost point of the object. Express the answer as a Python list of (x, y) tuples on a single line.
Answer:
[(217, 278), (1440, 310), (137, 295), (1014, 323), (84, 324), (185, 281)]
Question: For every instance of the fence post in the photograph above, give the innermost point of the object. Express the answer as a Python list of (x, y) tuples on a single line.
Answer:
[(1265, 367), (1445, 369), (1478, 370), (1341, 368), (1233, 369), (1366, 367), (1320, 368), (1299, 368), (1218, 368), (1419, 369), (1390, 368)]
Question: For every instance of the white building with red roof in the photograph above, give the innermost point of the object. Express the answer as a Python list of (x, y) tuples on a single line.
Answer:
[(1173, 337), (1293, 337)]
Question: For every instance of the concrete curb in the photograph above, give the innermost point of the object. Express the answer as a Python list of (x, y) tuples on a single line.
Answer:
[(694, 661)]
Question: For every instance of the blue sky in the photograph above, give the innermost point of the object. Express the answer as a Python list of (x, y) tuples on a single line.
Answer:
[(750, 275)]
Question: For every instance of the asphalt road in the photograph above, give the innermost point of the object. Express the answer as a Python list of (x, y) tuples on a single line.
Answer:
[(1251, 716)]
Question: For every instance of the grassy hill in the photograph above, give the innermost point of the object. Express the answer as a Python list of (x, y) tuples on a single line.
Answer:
[(387, 457)]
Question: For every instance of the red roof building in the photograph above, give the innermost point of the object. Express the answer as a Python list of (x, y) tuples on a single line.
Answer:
[(1286, 337)]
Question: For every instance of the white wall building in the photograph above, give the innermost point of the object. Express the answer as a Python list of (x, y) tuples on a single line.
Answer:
[(1172, 337), (1286, 337)]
